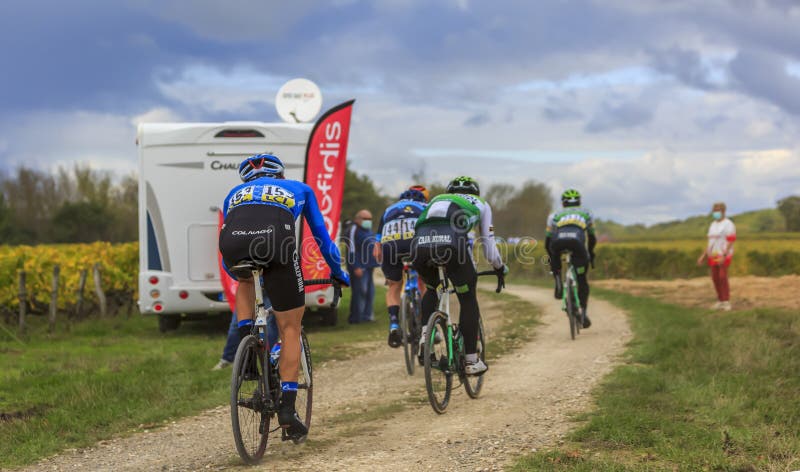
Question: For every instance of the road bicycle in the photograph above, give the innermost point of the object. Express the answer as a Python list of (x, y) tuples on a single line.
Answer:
[(410, 316), (255, 379), (443, 351), (570, 302)]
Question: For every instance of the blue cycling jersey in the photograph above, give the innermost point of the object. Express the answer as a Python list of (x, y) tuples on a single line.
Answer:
[(397, 222), (295, 197)]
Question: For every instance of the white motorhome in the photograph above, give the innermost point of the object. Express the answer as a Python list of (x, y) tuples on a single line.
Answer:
[(185, 172)]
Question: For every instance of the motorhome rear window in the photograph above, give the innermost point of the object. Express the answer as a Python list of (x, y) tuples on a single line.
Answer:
[(239, 133)]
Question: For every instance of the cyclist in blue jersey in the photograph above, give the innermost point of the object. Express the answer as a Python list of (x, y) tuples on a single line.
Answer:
[(260, 217), (570, 230), (396, 231)]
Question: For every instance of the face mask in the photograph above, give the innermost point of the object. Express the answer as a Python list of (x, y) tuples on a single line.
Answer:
[(366, 224), (717, 215)]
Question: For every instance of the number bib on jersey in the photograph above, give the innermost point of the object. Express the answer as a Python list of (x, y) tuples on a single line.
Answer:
[(263, 193), (401, 229)]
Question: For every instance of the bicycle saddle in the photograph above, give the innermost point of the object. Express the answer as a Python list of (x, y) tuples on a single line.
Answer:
[(244, 269)]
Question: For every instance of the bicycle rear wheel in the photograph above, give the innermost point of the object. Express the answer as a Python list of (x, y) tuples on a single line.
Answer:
[(474, 383), (407, 328), (570, 308), (438, 375), (305, 385), (249, 400), (577, 313)]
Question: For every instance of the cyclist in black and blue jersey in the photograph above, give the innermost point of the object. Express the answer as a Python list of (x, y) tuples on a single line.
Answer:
[(396, 231), (260, 217), (569, 230)]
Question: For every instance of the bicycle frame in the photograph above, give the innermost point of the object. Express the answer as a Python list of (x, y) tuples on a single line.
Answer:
[(570, 276), (444, 292), (262, 313), (411, 280)]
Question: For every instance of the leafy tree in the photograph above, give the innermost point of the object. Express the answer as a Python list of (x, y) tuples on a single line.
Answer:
[(525, 212), (82, 222), (790, 209), (70, 205), (9, 232), (359, 193), (498, 195)]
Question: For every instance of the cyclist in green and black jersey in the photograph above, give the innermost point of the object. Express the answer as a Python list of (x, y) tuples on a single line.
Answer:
[(441, 236), (569, 230)]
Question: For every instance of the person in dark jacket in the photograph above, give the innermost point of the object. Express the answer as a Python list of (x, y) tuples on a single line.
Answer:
[(361, 264)]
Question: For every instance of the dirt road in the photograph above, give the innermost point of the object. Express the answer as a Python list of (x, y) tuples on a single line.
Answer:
[(747, 292), (369, 414)]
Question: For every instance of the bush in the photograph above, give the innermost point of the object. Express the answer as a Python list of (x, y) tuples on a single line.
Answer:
[(774, 264), (660, 260), (118, 265)]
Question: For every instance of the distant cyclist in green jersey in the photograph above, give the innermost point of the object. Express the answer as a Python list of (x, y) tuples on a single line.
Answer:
[(441, 236), (569, 230)]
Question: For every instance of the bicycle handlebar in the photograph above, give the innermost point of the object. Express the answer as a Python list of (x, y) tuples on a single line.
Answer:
[(337, 288), (501, 280)]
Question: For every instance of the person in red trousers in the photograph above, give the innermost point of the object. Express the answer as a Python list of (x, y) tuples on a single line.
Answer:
[(719, 253)]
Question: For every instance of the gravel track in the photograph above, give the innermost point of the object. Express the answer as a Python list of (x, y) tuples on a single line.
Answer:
[(369, 414)]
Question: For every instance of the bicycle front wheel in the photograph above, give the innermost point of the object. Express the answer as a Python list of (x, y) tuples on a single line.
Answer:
[(305, 385), (407, 329), (249, 401), (438, 373), (474, 383), (570, 309)]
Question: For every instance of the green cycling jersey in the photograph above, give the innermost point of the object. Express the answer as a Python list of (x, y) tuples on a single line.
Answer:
[(570, 216), (465, 212)]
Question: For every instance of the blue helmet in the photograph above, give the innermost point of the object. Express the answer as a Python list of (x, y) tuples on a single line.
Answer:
[(261, 165), (415, 195)]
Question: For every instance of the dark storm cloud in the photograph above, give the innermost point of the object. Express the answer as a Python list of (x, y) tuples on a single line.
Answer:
[(478, 119), (685, 65), (562, 108), (627, 114), (764, 75), (88, 55)]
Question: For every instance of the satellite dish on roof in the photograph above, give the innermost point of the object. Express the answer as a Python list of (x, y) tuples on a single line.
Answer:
[(298, 101)]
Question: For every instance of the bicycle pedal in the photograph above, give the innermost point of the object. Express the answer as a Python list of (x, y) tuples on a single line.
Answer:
[(295, 438)]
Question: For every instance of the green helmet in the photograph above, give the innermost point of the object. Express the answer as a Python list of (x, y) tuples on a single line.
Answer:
[(464, 184), (571, 198)]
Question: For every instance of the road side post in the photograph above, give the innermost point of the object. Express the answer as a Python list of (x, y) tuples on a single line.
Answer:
[(54, 298), (98, 288), (23, 301), (81, 288)]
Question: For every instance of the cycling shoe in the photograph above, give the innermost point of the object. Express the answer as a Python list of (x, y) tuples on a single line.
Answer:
[(291, 422), (395, 336)]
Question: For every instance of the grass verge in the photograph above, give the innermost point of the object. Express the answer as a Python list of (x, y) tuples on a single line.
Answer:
[(115, 376), (700, 391)]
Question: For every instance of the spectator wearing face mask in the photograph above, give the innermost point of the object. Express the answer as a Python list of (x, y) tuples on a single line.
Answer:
[(360, 264), (719, 253)]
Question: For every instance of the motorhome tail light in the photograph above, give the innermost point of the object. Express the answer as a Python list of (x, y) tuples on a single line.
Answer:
[(239, 133), (183, 294), (155, 293), (153, 279), (321, 300), (158, 307)]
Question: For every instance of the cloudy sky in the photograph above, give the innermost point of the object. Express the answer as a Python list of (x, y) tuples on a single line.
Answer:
[(652, 109)]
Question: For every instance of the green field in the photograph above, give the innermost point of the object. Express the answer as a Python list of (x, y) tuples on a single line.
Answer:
[(752, 223), (697, 391)]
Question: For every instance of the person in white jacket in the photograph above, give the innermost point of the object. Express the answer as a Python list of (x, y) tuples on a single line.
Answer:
[(719, 253)]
